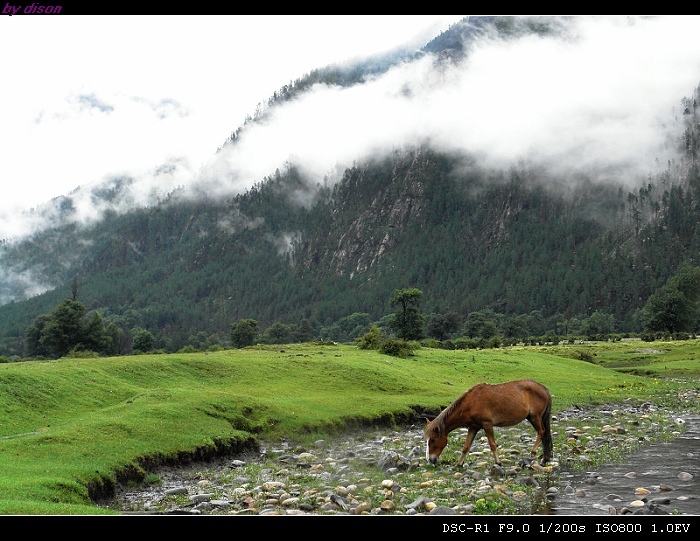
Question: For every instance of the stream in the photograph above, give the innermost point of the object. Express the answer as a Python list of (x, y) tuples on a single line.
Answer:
[(670, 471)]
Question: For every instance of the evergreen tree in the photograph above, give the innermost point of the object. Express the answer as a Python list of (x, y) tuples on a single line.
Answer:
[(65, 329), (278, 333), (33, 336), (244, 333), (96, 337), (674, 306), (142, 340), (515, 327), (440, 326), (408, 323), (304, 331), (479, 325)]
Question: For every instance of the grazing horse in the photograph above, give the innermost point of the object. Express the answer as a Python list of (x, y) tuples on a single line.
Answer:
[(485, 406)]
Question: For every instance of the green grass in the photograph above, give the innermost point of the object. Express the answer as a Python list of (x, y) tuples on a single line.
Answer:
[(680, 358), (71, 424)]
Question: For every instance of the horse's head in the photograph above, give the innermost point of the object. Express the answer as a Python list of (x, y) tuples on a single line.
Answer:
[(435, 441)]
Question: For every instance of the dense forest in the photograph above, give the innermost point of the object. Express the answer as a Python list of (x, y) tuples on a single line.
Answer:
[(516, 252)]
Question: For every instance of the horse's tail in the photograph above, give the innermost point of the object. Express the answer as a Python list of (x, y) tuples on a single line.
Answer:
[(547, 445)]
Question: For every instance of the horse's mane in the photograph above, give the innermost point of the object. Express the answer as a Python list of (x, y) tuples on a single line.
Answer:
[(439, 421)]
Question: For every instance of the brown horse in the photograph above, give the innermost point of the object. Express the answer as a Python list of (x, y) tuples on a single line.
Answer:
[(485, 406)]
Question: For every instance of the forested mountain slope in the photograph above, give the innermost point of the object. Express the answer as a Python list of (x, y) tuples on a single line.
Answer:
[(517, 241)]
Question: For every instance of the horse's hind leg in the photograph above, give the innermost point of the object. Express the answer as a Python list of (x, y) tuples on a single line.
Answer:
[(492, 443), (539, 428), (471, 433)]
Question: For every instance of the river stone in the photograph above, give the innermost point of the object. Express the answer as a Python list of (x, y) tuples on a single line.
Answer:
[(197, 498), (445, 481), (442, 510), (387, 505)]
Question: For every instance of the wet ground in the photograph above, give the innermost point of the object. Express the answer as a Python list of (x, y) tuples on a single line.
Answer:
[(663, 478), (670, 471)]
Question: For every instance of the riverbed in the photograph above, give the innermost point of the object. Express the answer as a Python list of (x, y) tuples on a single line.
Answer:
[(667, 473)]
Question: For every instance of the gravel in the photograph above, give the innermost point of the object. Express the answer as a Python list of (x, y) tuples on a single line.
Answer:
[(384, 471)]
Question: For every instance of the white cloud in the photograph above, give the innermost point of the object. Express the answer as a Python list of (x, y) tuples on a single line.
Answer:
[(599, 100), (126, 97), (89, 98)]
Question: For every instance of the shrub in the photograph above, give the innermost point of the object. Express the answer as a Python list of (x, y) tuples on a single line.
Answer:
[(398, 348), (370, 340), (471, 343), (76, 353), (437, 344), (586, 356)]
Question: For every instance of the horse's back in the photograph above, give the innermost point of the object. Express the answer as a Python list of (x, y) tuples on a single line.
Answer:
[(510, 402), (535, 391), (517, 386)]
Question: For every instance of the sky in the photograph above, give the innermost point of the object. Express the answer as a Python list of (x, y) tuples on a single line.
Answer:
[(89, 99)]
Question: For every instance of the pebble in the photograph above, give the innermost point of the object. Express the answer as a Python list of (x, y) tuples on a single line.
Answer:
[(384, 472)]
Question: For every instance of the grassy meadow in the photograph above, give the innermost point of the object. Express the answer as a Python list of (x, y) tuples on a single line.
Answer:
[(70, 428)]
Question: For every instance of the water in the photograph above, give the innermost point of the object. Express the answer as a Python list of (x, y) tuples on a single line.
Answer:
[(656, 466)]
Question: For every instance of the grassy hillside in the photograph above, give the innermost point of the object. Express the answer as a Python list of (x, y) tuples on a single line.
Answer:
[(69, 428)]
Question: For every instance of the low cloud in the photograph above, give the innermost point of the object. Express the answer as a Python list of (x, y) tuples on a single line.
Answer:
[(90, 101), (600, 99)]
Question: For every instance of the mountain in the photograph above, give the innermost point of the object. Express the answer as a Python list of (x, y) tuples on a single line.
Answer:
[(521, 243)]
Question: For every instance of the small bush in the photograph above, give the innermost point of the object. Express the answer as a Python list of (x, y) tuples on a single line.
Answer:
[(370, 340), (398, 348), (437, 344), (470, 343), (495, 342), (586, 356), (76, 353)]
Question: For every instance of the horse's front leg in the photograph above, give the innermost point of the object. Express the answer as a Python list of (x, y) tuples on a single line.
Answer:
[(471, 434)]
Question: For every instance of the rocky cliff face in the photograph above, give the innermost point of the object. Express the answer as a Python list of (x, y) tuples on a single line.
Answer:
[(369, 210)]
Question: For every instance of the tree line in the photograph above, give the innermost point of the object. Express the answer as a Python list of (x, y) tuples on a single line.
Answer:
[(672, 310)]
